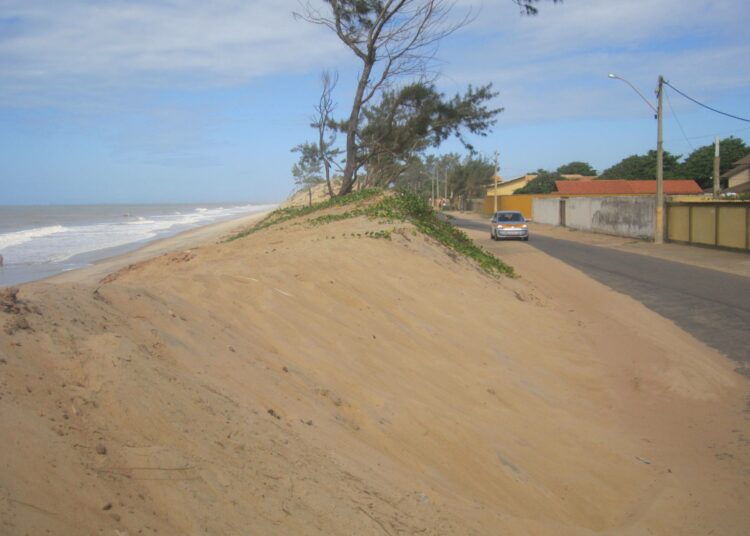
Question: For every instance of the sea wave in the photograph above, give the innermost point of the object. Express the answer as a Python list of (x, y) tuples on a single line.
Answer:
[(17, 238), (59, 243)]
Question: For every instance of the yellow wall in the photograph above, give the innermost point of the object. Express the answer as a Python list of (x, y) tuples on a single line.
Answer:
[(521, 203), (697, 223), (678, 222), (732, 227), (702, 226)]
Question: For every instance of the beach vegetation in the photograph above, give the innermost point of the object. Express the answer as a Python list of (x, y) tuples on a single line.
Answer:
[(389, 207)]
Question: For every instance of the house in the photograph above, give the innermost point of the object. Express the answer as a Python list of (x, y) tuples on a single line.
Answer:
[(742, 188), (508, 187), (739, 174), (581, 188), (626, 187)]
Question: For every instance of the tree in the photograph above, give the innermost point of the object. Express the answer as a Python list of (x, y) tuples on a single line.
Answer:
[(307, 170), (408, 121), (325, 126), (699, 164), (543, 183), (321, 154), (643, 167), (471, 177), (528, 7), (577, 168), (391, 39)]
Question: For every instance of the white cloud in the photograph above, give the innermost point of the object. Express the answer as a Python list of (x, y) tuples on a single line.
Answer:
[(85, 57), (126, 44), (554, 66)]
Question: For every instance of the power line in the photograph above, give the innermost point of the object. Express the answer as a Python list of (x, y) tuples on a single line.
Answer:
[(722, 134), (669, 102), (705, 105)]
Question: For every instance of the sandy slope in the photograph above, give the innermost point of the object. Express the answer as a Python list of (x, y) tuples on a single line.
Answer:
[(306, 381)]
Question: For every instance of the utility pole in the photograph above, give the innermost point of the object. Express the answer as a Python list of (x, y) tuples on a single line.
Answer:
[(717, 162), (434, 190), (497, 173), (659, 223), (445, 178), (437, 184)]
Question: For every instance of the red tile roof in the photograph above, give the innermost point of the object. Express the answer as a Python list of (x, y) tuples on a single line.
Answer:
[(626, 187), (577, 177)]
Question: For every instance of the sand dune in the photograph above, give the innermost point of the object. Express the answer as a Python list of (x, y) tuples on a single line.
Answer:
[(312, 380)]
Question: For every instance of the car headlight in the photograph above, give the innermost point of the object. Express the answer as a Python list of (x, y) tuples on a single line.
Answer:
[(524, 226)]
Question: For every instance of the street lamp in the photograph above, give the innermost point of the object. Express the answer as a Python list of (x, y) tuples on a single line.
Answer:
[(659, 223)]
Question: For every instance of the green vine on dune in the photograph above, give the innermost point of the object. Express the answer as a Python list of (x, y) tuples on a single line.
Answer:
[(285, 214), (398, 206)]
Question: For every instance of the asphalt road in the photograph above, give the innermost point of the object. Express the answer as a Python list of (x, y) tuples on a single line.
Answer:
[(713, 306)]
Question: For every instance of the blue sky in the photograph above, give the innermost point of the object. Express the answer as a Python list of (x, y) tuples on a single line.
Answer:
[(157, 101)]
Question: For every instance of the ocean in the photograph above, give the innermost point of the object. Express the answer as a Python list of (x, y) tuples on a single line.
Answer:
[(40, 241)]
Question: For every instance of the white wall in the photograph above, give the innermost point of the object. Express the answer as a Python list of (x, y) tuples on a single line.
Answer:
[(631, 216), (546, 210)]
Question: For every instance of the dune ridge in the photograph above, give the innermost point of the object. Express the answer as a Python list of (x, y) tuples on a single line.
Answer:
[(324, 379)]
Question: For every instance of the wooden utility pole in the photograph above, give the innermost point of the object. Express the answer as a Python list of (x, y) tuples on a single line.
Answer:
[(659, 223), (433, 195), (717, 166), (445, 180)]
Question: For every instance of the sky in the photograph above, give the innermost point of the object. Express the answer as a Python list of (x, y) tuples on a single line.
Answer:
[(148, 101)]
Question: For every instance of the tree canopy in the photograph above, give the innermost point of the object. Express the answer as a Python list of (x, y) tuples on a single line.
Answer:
[(528, 7), (471, 178), (699, 164), (544, 183), (406, 122), (577, 168), (419, 175), (644, 167), (307, 170), (392, 39)]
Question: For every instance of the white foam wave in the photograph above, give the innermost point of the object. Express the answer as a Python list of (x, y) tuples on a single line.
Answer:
[(59, 243), (20, 237)]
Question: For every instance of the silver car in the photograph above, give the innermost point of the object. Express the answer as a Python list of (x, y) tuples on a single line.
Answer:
[(509, 224)]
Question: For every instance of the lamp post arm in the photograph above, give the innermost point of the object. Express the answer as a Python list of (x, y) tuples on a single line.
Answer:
[(613, 76)]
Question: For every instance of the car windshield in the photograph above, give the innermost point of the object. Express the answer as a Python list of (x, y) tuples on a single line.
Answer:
[(509, 216)]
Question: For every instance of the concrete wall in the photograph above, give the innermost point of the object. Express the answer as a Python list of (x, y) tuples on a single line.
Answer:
[(622, 215), (547, 210)]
